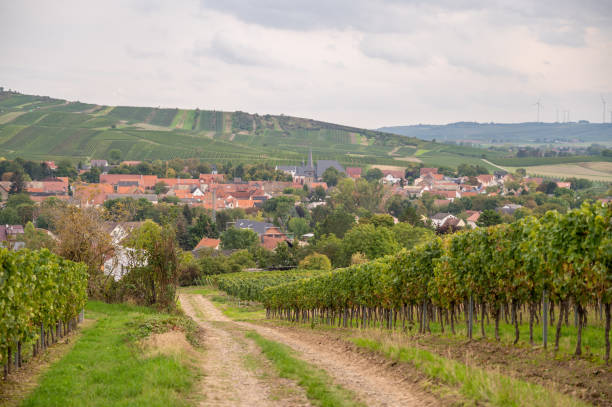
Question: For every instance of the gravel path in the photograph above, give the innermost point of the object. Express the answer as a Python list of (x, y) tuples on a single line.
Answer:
[(374, 384)]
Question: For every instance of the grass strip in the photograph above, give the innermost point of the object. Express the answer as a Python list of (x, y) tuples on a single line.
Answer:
[(474, 383), (318, 385), (106, 368)]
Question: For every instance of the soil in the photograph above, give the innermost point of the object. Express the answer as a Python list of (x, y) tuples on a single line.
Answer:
[(374, 380), (227, 381), (577, 377)]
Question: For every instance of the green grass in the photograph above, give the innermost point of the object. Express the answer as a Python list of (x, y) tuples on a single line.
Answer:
[(239, 311), (475, 384), (106, 368), (318, 385)]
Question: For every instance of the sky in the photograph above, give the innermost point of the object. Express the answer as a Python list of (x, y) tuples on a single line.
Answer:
[(355, 62)]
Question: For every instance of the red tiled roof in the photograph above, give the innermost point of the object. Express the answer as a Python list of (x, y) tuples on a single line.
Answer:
[(208, 242)]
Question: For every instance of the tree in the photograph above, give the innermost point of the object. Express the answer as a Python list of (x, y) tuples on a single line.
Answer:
[(37, 239), (331, 176), (234, 238), (367, 239), (330, 246), (316, 261), (83, 238), (204, 226), (114, 156), (336, 222), (18, 182), (279, 208), (161, 188), (548, 187), (154, 267), (378, 220), (299, 227), (92, 176), (373, 174), (409, 236), (489, 217), (318, 194), (66, 169)]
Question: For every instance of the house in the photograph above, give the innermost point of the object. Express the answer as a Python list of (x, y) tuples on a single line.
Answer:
[(392, 176), (486, 180), (567, 185), (272, 237), (322, 165), (306, 174), (353, 172), (323, 185), (146, 181), (269, 235), (50, 165), (131, 163), (11, 237), (425, 171), (450, 195), (439, 218), (213, 178), (117, 264), (99, 163), (208, 243), (472, 218), (5, 188), (509, 209), (92, 194), (452, 223)]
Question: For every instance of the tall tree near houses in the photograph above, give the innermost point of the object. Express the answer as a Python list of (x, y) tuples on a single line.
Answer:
[(83, 238)]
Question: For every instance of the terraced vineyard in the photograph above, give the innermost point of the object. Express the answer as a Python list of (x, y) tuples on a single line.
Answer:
[(36, 127)]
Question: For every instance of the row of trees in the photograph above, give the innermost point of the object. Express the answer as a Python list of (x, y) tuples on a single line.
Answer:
[(41, 294), (559, 260)]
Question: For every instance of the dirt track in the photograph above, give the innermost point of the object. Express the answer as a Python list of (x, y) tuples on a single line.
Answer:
[(374, 384)]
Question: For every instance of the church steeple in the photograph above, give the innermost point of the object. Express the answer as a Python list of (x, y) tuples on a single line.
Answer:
[(310, 164)]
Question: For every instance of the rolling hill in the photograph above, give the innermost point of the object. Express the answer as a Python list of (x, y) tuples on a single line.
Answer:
[(41, 127), (509, 133)]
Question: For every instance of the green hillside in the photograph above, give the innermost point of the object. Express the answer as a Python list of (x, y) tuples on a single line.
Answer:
[(40, 127)]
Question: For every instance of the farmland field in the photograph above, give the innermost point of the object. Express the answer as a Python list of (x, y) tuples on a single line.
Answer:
[(595, 171)]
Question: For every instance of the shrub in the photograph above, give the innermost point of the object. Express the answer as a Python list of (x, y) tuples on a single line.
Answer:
[(316, 261)]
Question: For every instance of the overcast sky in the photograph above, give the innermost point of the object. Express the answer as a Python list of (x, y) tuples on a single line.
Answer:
[(357, 62)]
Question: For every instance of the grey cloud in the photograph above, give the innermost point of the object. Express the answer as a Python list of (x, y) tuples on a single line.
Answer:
[(393, 50), (141, 53), (566, 35), (399, 15), (482, 67), (223, 48), (302, 15)]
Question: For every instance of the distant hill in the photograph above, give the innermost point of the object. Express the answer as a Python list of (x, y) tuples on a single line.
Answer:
[(41, 127), (515, 133)]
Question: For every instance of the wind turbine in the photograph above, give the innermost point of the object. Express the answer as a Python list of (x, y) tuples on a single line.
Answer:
[(603, 101), (539, 105)]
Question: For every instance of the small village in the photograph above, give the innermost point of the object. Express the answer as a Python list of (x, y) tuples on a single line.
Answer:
[(434, 195)]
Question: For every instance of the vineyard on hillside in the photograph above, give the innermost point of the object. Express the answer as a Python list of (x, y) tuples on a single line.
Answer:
[(546, 268), (41, 295)]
